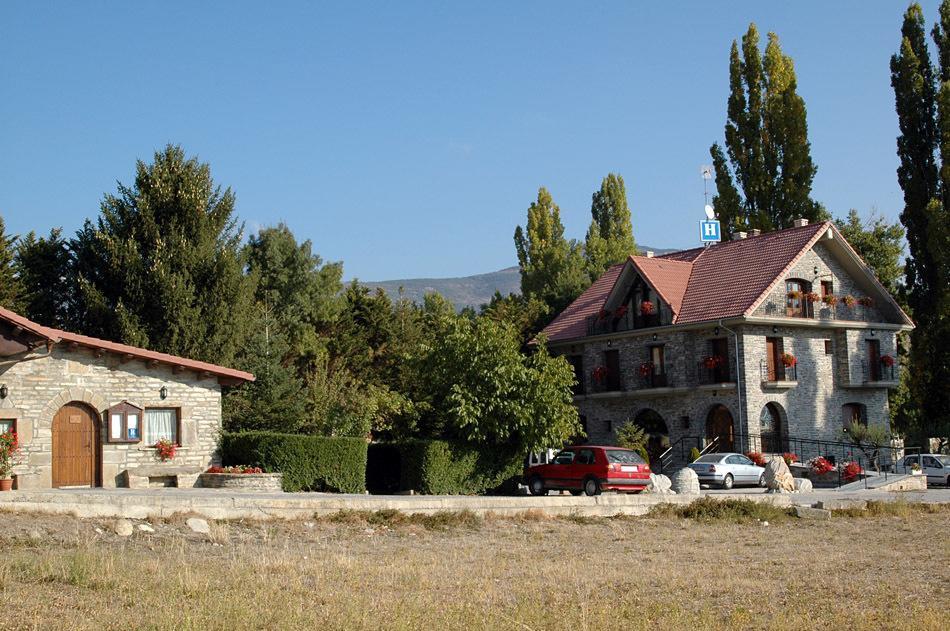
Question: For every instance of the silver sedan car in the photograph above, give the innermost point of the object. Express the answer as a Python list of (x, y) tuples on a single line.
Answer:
[(727, 470)]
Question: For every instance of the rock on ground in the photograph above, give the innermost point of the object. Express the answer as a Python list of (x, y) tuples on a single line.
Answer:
[(805, 512), (123, 528), (778, 477), (198, 525), (685, 482), (145, 528), (803, 485), (659, 485)]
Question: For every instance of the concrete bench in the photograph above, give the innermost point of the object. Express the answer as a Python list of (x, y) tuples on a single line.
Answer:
[(144, 477)]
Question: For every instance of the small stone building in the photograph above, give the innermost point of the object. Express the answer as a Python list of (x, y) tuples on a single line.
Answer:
[(763, 341), (89, 412)]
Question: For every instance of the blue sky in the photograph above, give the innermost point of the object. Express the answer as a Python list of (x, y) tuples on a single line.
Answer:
[(407, 139)]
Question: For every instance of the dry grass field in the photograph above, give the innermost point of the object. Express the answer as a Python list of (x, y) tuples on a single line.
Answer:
[(884, 569)]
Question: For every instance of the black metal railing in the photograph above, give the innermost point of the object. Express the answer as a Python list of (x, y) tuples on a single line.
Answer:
[(707, 375), (879, 460), (678, 451), (650, 378), (777, 373), (879, 371)]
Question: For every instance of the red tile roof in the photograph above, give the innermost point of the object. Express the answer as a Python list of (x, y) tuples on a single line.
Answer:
[(669, 277), (722, 281), (55, 336), (572, 322)]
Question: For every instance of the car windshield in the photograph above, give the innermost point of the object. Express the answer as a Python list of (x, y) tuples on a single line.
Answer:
[(623, 456), (709, 458)]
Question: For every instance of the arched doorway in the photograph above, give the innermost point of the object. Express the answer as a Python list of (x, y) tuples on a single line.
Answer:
[(659, 435), (76, 446), (719, 426), (771, 429)]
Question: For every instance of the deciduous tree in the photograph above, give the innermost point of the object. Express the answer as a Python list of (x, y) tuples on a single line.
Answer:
[(610, 236)]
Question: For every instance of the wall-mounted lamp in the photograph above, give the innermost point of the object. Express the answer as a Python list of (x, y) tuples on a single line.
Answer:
[(654, 337), (716, 331), (163, 393), (816, 270), (610, 343), (872, 332), (3, 391), (774, 329)]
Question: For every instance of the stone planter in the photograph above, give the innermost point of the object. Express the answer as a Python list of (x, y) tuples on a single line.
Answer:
[(248, 482)]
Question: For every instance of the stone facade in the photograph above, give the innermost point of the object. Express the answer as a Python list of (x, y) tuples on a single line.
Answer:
[(830, 380), (40, 383)]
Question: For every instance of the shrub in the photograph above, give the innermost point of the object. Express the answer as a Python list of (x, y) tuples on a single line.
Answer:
[(694, 454), (442, 467), (756, 457), (632, 436), (309, 463), (789, 458), (709, 509)]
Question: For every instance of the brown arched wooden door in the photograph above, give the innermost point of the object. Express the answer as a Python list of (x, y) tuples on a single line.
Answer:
[(719, 425), (75, 446)]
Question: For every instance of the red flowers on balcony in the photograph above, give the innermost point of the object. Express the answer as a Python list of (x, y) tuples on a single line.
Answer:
[(866, 301), (713, 361), (887, 361), (788, 360), (830, 299), (645, 369), (600, 374), (620, 311), (647, 307), (812, 297)]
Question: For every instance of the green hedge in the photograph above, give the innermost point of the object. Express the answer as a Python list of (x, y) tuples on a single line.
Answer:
[(441, 467), (309, 463)]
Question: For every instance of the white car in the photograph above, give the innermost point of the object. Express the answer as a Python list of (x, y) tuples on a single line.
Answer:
[(727, 470), (935, 466)]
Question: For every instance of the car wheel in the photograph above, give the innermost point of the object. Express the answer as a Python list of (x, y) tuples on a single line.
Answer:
[(536, 486), (762, 480), (727, 481), (591, 486)]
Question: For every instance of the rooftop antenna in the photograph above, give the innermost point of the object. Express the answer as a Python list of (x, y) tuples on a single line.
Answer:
[(709, 229), (706, 170)]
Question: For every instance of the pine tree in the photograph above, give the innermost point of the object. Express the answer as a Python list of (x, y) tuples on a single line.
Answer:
[(610, 236), (922, 99), (552, 269), (767, 143), (161, 267), (9, 283), (44, 266)]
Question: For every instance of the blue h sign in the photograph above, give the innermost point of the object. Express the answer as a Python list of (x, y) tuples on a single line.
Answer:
[(709, 231)]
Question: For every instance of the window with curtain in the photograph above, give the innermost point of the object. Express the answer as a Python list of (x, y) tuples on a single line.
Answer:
[(159, 424)]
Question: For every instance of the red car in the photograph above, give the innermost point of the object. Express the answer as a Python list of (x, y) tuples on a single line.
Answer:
[(589, 469)]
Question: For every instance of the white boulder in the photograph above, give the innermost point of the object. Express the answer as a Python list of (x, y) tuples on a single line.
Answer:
[(685, 482), (198, 525), (659, 485), (778, 477), (803, 485)]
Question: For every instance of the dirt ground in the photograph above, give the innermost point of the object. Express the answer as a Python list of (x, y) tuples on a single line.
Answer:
[(355, 571)]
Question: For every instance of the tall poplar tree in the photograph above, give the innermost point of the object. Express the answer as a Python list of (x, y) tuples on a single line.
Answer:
[(767, 180), (610, 236), (161, 266), (922, 100), (9, 283), (552, 268)]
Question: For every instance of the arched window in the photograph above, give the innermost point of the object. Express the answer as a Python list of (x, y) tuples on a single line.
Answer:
[(771, 430), (659, 435), (796, 306)]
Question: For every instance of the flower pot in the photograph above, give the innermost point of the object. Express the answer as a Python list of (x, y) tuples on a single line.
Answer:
[(916, 472), (6, 484)]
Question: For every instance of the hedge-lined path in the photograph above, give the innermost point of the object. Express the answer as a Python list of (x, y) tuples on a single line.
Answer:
[(222, 504)]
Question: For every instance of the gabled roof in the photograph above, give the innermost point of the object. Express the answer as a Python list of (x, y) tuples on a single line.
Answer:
[(56, 336), (572, 322), (726, 280)]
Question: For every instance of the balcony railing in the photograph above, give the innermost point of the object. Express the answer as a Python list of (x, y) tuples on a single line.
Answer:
[(653, 379), (717, 374), (609, 323), (778, 373), (878, 371)]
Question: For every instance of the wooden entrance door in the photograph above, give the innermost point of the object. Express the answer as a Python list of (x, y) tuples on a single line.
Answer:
[(75, 446), (719, 425)]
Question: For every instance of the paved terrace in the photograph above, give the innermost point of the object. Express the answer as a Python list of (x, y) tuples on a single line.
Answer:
[(223, 504)]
